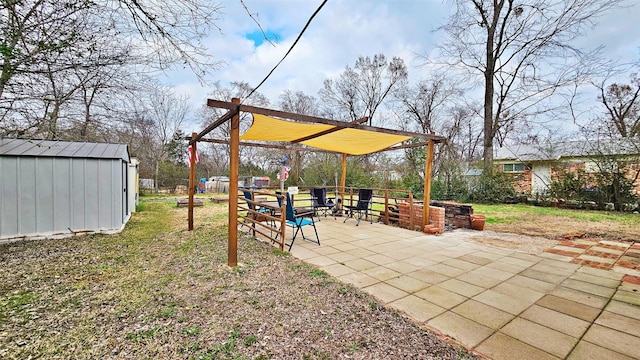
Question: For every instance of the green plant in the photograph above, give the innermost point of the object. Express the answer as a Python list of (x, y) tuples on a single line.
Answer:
[(569, 185), (191, 331), (250, 340), (493, 186), (318, 273)]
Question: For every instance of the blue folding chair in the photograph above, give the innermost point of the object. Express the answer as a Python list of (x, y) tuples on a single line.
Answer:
[(254, 211), (298, 221)]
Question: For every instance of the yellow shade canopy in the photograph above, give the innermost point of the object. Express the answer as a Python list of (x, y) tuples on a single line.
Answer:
[(344, 140)]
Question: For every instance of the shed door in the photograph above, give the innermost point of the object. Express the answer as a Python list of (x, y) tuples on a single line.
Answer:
[(125, 202), (541, 179)]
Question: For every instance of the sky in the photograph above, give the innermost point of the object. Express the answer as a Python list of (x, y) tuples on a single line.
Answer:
[(341, 32)]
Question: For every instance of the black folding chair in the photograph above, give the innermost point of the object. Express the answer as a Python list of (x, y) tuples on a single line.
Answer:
[(319, 202), (362, 208), (298, 221)]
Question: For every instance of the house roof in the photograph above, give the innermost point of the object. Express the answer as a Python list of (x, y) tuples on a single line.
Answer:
[(55, 148), (567, 149)]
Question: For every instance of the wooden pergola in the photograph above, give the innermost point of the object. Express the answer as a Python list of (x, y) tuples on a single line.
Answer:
[(334, 127)]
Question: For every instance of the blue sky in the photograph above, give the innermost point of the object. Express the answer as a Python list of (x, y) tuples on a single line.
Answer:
[(344, 30)]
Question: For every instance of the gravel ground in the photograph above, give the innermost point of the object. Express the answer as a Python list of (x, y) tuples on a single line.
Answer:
[(156, 291)]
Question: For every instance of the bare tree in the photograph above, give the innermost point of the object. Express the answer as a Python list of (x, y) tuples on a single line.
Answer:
[(358, 92), (298, 103), (523, 53), (218, 153), (425, 105), (53, 52), (164, 113), (622, 104)]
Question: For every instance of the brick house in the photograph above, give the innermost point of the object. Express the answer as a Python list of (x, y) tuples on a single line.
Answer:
[(535, 166)]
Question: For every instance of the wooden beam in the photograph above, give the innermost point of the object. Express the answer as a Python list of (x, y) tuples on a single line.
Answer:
[(234, 164), (268, 146), (328, 131), (319, 120), (224, 118), (428, 168)]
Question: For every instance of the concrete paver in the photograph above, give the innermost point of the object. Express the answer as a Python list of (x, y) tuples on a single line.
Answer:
[(547, 276), (461, 287), (479, 280), (460, 328), (503, 302), (542, 337), (417, 308), (613, 340), (569, 307), (552, 319), (624, 309), (441, 296), (408, 284), (581, 297), (503, 347), (483, 314), (589, 287), (531, 283), (385, 292), (588, 351), (619, 322), (595, 279), (500, 303)]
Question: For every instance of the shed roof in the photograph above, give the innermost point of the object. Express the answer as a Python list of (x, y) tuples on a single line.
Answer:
[(68, 149), (567, 149)]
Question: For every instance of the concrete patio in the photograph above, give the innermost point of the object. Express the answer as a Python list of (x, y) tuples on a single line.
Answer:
[(499, 303)]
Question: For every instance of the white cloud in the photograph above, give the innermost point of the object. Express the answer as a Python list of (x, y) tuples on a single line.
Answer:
[(346, 29)]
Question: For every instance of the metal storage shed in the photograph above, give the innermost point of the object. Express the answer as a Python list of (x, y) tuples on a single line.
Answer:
[(57, 188)]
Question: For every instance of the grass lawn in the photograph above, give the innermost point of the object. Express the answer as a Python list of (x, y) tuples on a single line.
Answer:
[(555, 223), (157, 291)]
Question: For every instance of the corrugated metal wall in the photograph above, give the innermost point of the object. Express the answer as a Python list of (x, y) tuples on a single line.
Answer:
[(51, 195)]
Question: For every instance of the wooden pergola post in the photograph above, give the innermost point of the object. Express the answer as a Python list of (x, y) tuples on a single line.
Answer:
[(234, 162), (428, 167), (343, 177), (192, 180)]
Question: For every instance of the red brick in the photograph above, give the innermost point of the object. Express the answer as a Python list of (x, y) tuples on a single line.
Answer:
[(631, 279), (601, 254), (626, 264), (575, 245), (562, 252)]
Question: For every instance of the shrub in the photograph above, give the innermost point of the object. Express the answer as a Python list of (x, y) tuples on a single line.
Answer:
[(493, 187)]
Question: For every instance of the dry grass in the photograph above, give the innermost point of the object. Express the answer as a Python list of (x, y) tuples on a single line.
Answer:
[(555, 223), (158, 291)]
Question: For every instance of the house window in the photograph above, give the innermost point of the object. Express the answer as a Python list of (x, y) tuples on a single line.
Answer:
[(513, 168)]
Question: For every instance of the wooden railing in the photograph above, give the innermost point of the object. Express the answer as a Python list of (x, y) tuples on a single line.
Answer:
[(386, 203), (270, 224)]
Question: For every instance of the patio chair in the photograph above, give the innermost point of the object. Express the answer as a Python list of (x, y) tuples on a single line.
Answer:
[(362, 208), (298, 221), (254, 211), (319, 202)]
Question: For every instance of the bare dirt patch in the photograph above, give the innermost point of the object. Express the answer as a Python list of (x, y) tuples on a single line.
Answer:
[(519, 242)]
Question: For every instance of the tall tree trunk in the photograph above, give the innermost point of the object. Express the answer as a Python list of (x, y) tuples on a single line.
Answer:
[(488, 101)]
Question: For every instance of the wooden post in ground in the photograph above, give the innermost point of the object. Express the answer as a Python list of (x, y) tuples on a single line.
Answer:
[(234, 162), (343, 178), (192, 179), (427, 182)]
